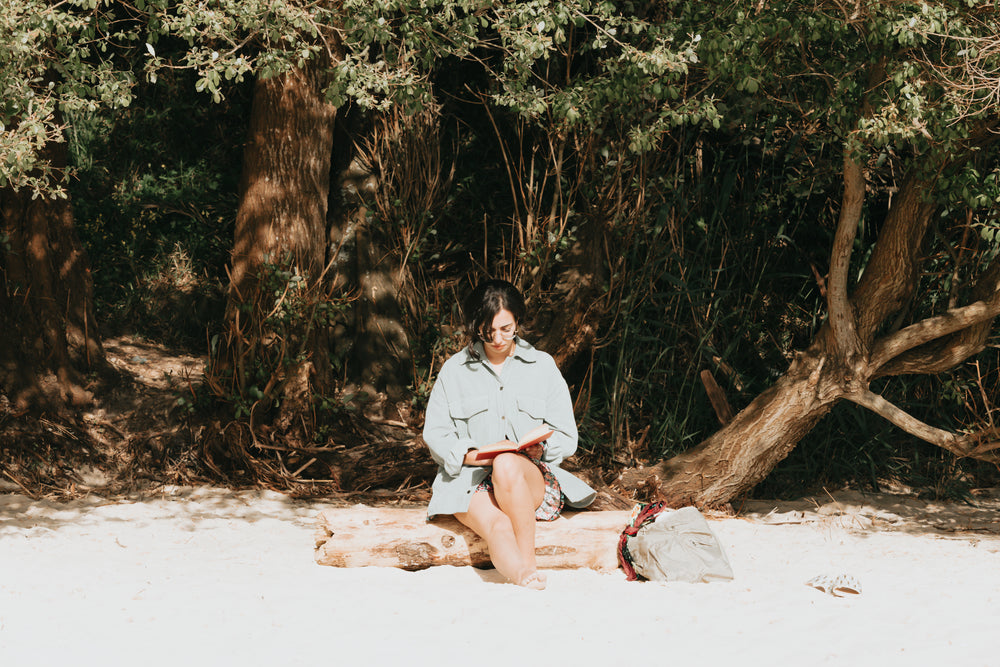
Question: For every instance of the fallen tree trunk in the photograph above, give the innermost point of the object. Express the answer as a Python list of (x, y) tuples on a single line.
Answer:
[(740, 455), (366, 536)]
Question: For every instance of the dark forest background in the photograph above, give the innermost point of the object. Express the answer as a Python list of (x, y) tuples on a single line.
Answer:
[(667, 183)]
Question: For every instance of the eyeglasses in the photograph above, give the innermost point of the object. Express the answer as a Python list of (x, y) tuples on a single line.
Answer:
[(506, 333)]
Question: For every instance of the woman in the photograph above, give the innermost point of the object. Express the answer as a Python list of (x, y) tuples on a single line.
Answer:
[(497, 389)]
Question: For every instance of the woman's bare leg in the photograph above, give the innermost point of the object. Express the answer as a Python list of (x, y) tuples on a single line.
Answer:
[(519, 489), (488, 521)]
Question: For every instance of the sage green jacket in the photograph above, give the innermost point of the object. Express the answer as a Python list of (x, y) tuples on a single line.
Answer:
[(470, 406)]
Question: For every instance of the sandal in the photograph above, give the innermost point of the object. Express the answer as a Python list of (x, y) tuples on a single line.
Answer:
[(845, 584), (823, 583), (837, 586)]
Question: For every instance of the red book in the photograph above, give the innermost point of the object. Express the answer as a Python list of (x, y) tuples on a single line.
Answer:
[(532, 437)]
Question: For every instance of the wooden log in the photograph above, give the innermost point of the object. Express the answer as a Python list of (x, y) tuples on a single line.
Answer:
[(392, 537)]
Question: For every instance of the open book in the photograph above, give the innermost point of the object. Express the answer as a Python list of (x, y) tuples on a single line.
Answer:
[(532, 437)]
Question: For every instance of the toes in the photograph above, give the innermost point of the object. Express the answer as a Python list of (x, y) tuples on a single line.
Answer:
[(533, 581)]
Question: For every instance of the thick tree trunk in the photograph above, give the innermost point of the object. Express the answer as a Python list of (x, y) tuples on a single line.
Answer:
[(49, 339), (285, 182), (403, 538), (379, 359), (889, 280), (740, 455), (279, 251)]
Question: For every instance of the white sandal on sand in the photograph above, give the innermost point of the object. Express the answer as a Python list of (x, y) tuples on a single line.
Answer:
[(845, 584), (822, 583), (837, 586)]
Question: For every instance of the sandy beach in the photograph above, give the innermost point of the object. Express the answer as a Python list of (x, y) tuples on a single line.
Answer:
[(207, 576)]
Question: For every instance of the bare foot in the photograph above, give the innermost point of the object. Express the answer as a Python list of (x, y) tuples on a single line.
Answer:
[(535, 581)]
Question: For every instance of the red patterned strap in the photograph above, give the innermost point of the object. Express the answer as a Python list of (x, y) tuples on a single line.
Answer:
[(646, 514)]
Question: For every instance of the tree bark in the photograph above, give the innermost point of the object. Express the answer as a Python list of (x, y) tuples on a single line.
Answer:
[(891, 276), (717, 397), (366, 184), (939, 343), (741, 454), (285, 182), (50, 339), (271, 328), (403, 538)]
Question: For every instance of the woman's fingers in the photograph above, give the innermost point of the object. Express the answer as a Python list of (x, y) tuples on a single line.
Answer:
[(534, 452)]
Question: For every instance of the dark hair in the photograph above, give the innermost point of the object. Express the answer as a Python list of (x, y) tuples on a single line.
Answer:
[(483, 304)]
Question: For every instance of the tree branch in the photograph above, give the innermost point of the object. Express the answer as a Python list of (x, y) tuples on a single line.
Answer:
[(933, 328), (971, 323), (982, 445), (838, 303), (891, 274), (938, 357), (906, 421)]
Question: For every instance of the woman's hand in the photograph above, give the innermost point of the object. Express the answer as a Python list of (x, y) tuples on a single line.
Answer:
[(470, 459), (470, 456), (534, 452)]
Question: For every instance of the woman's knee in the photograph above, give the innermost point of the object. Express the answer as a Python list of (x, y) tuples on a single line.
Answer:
[(511, 469)]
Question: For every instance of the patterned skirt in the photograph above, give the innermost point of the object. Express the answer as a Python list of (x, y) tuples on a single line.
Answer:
[(552, 503)]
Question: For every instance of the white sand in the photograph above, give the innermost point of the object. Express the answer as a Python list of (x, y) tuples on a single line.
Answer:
[(211, 577)]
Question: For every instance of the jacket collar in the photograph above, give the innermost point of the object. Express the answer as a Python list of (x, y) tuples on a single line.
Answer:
[(523, 350)]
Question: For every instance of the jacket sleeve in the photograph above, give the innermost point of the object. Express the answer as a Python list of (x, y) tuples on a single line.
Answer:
[(559, 415), (447, 448)]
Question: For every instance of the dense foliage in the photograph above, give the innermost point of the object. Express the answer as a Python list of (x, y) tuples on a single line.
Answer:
[(704, 140)]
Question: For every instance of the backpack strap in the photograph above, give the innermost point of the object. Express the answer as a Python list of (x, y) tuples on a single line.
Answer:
[(646, 514)]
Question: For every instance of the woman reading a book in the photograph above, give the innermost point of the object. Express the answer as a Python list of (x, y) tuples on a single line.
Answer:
[(499, 421)]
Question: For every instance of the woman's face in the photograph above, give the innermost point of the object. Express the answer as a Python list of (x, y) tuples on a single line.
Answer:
[(500, 337)]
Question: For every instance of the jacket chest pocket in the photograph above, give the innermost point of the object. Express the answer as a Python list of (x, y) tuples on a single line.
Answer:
[(531, 409), (470, 414)]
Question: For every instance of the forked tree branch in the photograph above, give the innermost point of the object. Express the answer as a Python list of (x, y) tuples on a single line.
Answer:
[(983, 445)]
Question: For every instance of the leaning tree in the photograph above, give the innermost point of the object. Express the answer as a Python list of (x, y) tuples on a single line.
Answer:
[(908, 91)]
